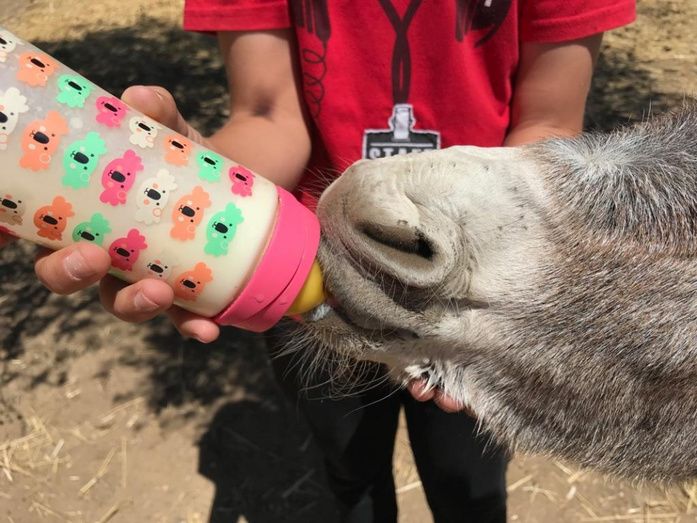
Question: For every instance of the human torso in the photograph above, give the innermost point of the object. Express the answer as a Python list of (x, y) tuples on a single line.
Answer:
[(383, 77)]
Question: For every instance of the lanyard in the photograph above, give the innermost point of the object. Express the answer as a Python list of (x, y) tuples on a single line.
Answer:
[(401, 56)]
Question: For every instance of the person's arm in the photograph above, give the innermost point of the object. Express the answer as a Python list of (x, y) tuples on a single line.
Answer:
[(266, 132), (549, 95)]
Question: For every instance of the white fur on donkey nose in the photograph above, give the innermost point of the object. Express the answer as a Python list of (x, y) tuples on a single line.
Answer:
[(389, 232), (387, 217), (389, 210), (370, 209)]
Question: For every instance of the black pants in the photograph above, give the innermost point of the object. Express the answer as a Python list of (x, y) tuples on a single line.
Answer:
[(463, 475)]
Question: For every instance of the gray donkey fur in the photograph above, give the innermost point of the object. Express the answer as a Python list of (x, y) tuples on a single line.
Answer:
[(552, 288)]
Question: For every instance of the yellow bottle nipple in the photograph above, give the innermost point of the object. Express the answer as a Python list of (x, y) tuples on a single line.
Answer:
[(312, 293)]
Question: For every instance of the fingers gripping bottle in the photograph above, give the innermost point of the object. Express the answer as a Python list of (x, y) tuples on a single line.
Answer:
[(79, 165)]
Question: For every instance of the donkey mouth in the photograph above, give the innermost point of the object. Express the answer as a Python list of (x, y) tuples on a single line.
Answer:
[(357, 304)]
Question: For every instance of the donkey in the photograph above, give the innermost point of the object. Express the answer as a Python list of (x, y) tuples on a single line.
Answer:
[(552, 288)]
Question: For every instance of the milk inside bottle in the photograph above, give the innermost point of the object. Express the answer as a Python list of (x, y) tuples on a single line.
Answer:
[(79, 165)]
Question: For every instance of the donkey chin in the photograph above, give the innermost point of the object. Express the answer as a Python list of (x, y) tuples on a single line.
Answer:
[(552, 288)]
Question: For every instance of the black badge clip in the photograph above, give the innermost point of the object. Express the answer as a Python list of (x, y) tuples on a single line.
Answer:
[(400, 138)]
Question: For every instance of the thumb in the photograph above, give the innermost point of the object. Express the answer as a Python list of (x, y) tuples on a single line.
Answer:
[(158, 103)]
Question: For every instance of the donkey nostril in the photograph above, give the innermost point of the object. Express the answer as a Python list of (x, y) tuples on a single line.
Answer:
[(402, 239)]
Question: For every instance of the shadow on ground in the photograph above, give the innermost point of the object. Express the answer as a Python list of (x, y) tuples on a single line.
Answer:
[(153, 53), (622, 92), (255, 450)]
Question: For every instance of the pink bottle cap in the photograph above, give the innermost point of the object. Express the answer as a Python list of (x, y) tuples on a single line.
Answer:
[(281, 272)]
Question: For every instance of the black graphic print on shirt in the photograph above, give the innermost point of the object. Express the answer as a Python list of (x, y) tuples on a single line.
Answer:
[(481, 18), (477, 15), (313, 17)]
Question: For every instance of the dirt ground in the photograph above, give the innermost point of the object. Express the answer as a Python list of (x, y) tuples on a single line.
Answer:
[(103, 421)]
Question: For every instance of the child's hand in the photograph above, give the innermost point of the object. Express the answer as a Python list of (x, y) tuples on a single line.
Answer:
[(421, 392), (80, 265)]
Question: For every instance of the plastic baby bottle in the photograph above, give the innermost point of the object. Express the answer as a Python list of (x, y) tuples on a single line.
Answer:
[(77, 164)]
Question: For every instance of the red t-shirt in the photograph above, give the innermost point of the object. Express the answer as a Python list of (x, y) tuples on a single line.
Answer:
[(384, 77)]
